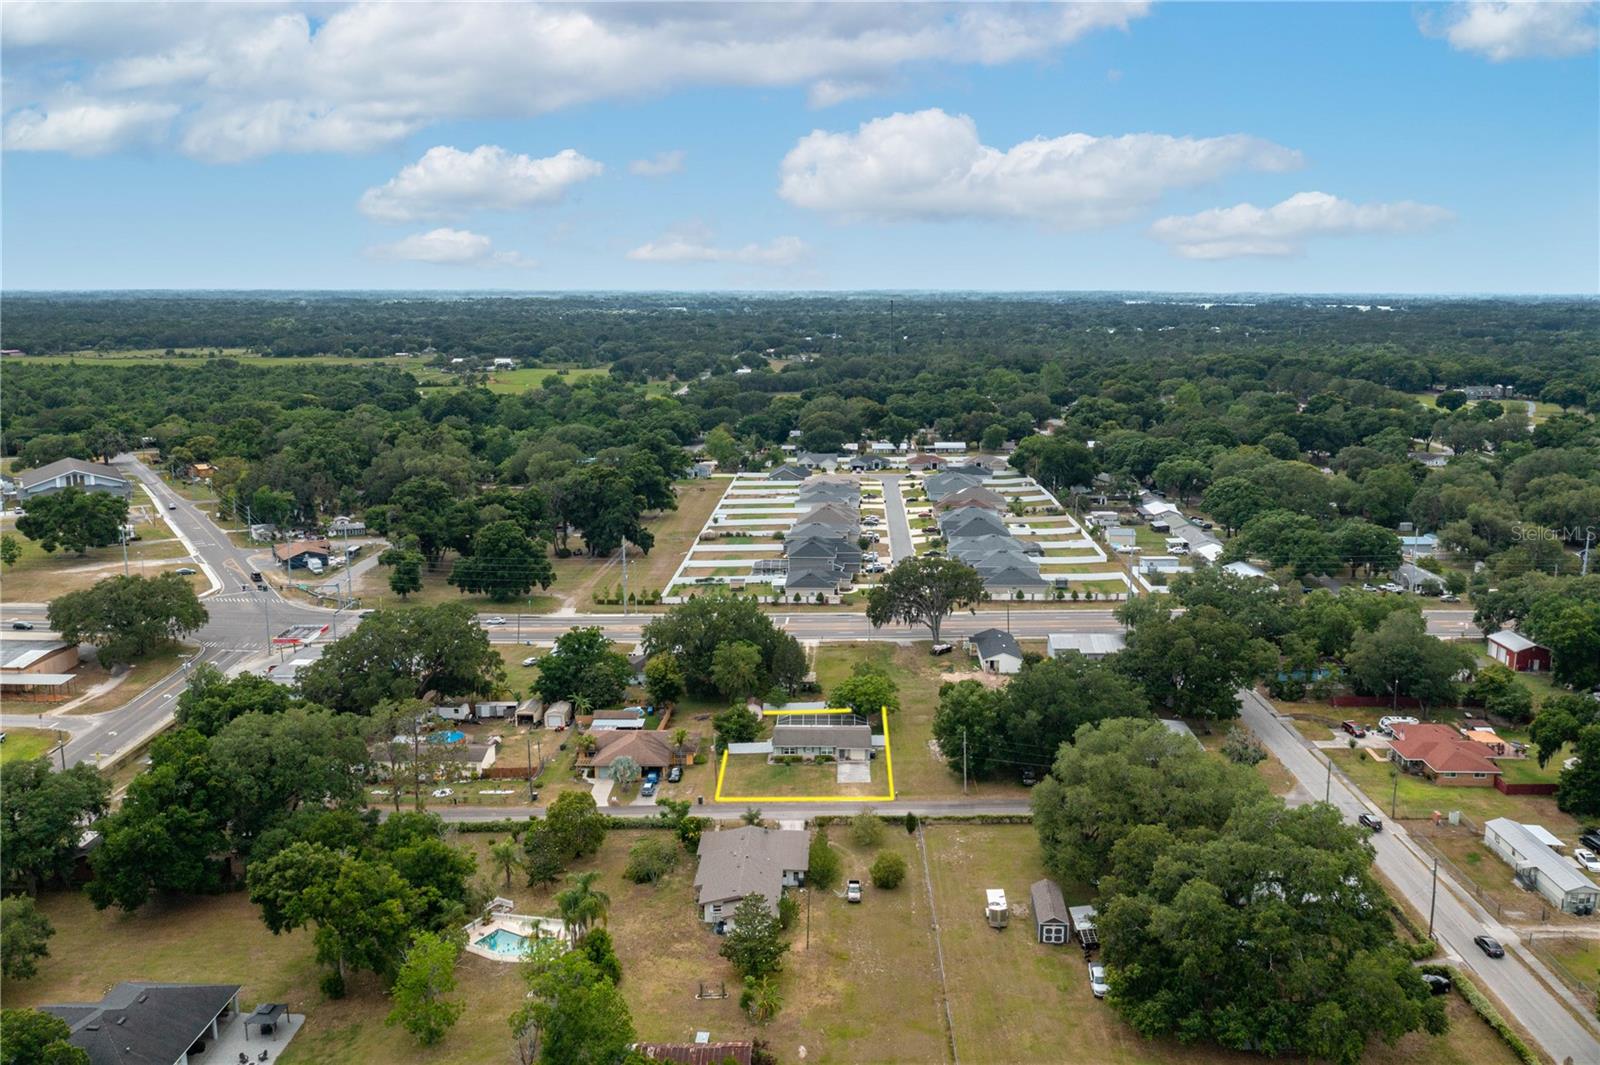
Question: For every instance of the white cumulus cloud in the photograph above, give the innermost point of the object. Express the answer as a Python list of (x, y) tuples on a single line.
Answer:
[(692, 248), (660, 164), (1283, 229), (1517, 29), (249, 80), (932, 165), (449, 183), (86, 128), (448, 247)]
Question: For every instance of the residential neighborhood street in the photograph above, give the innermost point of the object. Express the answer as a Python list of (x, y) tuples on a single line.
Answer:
[(1531, 994), (894, 507)]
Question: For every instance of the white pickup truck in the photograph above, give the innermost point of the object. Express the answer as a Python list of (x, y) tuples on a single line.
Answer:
[(852, 891)]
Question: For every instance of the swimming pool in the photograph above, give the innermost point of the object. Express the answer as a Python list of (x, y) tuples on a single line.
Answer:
[(505, 943), (453, 736)]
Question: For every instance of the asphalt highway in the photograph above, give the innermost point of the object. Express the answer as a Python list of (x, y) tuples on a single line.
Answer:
[(1529, 991)]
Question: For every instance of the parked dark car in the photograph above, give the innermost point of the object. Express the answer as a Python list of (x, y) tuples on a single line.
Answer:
[(1354, 729), (1438, 983), (255, 575), (1490, 946), (1590, 838), (1030, 777), (1370, 822)]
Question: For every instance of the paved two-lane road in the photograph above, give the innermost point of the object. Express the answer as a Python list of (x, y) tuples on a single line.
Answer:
[(1530, 993)]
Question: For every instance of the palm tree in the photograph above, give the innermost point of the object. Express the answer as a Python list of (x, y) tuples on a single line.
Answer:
[(751, 815), (505, 856), (680, 736), (582, 906), (762, 998)]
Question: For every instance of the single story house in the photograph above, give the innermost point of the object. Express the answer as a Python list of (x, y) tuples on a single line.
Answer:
[(702, 469), (924, 463), (865, 463), (997, 651), (1052, 922), (504, 364), (263, 531), (202, 471), (949, 447), (649, 750), (1442, 755), (789, 472), (1516, 651), (72, 473), (344, 525), (1434, 460), (843, 743), (1536, 866), (138, 1022), (736, 862), (1416, 579), (1245, 569), (627, 719), (1426, 544), (1091, 645), (298, 554)]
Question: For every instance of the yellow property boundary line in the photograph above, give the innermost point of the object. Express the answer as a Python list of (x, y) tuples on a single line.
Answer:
[(888, 762)]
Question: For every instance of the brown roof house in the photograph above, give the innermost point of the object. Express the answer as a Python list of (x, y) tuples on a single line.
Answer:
[(736, 862), (1442, 755), (649, 750), (295, 555)]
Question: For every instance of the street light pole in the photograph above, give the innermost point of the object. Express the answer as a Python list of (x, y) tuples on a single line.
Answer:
[(1394, 795), (528, 742), (1327, 788), (1433, 896)]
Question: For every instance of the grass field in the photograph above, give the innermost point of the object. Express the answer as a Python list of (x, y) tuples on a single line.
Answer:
[(140, 675), (995, 978), (1578, 959), (750, 777), (40, 576), (919, 770), (863, 988), (513, 382), (23, 744)]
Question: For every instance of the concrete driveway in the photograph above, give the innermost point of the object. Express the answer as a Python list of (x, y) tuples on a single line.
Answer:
[(854, 773), (601, 790)]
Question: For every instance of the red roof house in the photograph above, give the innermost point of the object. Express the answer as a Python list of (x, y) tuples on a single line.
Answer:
[(1442, 755)]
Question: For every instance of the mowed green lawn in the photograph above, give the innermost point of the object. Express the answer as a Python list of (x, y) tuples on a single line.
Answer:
[(22, 744), (919, 771)]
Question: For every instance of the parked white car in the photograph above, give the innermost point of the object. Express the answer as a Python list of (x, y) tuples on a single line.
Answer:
[(1391, 587), (1586, 860), (1097, 980)]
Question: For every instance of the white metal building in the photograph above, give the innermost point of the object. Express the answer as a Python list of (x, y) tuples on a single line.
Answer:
[(1536, 866)]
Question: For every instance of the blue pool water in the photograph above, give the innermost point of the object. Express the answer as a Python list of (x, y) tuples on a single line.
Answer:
[(507, 944), (453, 736)]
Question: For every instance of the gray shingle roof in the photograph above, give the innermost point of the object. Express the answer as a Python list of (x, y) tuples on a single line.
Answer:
[(141, 1023), (992, 642), (51, 470), (1048, 903), (854, 736), (736, 862)]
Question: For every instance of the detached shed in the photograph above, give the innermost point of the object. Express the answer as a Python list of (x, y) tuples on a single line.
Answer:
[(1051, 920)]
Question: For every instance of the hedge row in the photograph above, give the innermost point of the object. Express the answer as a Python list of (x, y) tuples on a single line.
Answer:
[(520, 824), (1491, 1016), (1420, 947)]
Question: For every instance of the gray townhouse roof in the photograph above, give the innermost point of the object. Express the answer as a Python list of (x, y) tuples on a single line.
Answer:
[(941, 485), (835, 514), (857, 737), (972, 521), (139, 1023), (809, 579), (1016, 577), (992, 642), (736, 862), (789, 472), (974, 495)]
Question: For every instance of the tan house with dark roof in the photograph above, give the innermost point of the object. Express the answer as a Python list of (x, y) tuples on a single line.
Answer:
[(648, 749)]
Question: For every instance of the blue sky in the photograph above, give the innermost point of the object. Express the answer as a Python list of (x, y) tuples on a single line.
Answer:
[(1184, 146)]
